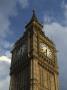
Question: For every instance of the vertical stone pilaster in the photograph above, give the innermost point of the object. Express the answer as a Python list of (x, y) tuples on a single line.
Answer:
[(31, 75), (34, 75), (56, 81)]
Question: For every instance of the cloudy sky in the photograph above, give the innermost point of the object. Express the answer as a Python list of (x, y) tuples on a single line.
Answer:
[(14, 14)]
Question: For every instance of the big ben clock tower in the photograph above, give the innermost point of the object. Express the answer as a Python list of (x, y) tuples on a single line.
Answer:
[(34, 61)]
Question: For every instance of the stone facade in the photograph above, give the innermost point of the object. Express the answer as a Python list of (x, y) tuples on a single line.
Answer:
[(31, 68)]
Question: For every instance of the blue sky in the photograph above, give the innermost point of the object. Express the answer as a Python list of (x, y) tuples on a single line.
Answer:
[(14, 14)]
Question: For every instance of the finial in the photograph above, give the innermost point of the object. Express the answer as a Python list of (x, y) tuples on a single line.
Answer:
[(33, 12), (34, 18), (34, 15)]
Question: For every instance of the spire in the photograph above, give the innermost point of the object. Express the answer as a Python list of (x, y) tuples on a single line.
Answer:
[(34, 18), (33, 12)]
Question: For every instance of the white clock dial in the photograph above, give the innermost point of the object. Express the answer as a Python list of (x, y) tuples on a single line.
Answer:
[(45, 50), (49, 53)]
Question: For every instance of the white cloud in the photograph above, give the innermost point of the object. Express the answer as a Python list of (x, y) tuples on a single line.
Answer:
[(5, 47), (4, 85), (58, 34), (4, 73), (5, 58), (8, 8)]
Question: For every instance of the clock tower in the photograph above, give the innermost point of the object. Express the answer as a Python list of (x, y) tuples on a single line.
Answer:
[(34, 60)]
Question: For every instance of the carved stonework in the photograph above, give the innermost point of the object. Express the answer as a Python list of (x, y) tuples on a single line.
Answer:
[(34, 60)]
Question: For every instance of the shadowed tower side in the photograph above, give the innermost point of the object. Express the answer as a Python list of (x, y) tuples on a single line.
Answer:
[(34, 60)]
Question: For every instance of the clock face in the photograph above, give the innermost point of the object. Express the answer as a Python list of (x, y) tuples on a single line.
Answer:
[(45, 50)]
